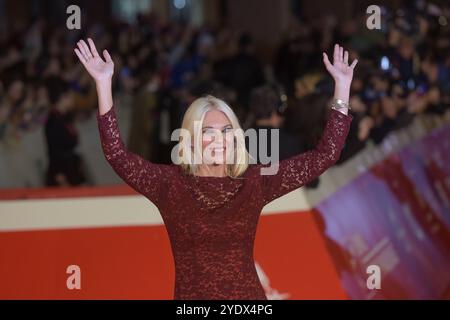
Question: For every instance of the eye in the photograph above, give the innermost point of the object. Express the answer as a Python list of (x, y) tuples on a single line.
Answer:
[(208, 134)]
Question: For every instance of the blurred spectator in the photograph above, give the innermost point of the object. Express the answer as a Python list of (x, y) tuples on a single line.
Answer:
[(305, 119), (242, 72), (144, 117), (65, 164), (265, 116)]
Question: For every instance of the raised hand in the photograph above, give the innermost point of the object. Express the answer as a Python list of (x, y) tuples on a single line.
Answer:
[(98, 68), (341, 72)]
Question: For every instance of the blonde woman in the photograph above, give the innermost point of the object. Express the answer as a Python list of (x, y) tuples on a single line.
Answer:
[(211, 208)]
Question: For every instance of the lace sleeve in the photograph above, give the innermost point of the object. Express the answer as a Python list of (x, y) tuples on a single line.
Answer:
[(298, 170), (143, 176)]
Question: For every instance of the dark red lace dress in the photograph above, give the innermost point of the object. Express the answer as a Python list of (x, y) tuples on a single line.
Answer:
[(211, 221)]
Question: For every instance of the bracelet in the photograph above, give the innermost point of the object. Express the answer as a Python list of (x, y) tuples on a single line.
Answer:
[(339, 104)]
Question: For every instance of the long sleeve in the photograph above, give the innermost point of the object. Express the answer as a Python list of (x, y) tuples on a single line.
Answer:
[(149, 179), (298, 170)]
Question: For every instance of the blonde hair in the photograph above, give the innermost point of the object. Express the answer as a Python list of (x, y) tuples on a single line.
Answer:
[(196, 112)]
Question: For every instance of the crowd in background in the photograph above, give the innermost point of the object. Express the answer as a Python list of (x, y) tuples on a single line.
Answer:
[(403, 70)]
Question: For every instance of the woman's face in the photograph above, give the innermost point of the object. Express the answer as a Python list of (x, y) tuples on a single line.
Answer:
[(217, 134), (16, 90)]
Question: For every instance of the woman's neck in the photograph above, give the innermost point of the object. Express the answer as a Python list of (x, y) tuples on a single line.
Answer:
[(211, 170)]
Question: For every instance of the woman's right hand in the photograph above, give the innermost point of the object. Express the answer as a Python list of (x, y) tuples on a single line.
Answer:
[(99, 70)]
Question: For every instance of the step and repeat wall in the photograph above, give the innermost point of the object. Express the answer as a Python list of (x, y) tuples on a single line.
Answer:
[(394, 215)]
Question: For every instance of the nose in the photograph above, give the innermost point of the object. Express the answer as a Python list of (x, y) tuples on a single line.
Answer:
[(218, 140)]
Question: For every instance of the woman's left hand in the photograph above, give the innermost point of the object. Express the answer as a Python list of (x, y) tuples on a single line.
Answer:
[(340, 70)]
